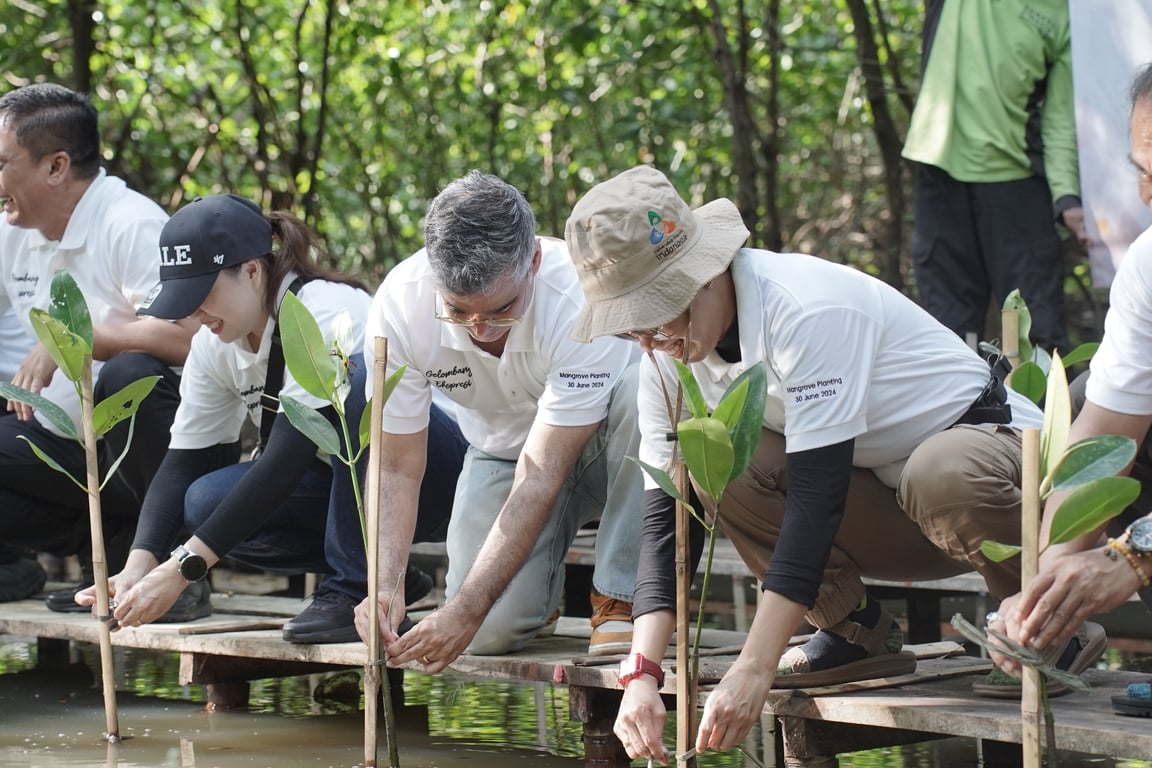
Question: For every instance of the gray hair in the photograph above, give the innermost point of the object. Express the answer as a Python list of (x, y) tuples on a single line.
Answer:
[(48, 118), (478, 230), (1141, 90)]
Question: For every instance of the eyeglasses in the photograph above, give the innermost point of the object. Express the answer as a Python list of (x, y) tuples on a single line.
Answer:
[(524, 298), (493, 322), (654, 334)]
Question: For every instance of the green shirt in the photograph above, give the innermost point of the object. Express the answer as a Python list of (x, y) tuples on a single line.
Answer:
[(987, 60)]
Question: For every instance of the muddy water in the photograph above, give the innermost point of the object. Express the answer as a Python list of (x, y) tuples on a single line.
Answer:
[(57, 720)]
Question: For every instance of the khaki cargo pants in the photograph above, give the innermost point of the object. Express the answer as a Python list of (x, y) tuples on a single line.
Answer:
[(958, 488)]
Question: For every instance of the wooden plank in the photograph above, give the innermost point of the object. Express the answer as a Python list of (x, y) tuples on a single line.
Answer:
[(1084, 722)]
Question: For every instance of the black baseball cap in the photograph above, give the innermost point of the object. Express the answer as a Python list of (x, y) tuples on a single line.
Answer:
[(209, 234)]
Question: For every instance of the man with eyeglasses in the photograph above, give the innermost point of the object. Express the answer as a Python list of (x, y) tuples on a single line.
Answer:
[(482, 317), (889, 448)]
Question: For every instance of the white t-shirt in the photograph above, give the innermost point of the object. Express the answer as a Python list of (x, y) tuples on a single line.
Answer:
[(222, 382), (1121, 377), (15, 344), (111, 249), (846, 356), (542, 374)]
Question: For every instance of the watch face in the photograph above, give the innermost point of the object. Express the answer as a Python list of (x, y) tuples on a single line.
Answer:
[(193, 567), (1140, 536)]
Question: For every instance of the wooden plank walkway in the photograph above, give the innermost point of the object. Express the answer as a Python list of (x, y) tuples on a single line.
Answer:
[(936, 701)]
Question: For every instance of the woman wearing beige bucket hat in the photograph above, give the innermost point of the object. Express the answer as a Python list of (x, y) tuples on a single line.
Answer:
[(889, 449)]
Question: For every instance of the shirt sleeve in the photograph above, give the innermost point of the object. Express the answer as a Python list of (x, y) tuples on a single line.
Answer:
[(813, 510), (581, 378), (1058, 125), (656, 568), (162, 514), (210, 410), (1121, 377), (408, 407)]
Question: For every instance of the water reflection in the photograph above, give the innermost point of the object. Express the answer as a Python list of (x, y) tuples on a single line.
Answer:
[(55, 719)]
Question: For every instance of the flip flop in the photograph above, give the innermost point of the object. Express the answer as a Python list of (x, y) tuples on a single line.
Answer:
[(1093, 642), (1136, 702)]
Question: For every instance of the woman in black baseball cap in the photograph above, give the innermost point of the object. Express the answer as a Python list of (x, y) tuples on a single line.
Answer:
[(226, 264)]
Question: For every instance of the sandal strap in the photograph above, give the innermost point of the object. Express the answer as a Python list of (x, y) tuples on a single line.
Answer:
[(872, 639)]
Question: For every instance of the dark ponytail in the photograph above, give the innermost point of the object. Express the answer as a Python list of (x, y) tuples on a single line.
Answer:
[(297, 251)]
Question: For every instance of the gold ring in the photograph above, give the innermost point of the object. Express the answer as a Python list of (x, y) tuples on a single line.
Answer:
[(425, 659)]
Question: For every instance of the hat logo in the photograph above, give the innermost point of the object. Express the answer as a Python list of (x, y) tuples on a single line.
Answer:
[(660, 227), (218, 258), (180, 256)]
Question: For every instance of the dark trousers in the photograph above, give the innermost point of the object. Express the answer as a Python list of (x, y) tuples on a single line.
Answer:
[(973, 242), (42, 511), (317, 529)]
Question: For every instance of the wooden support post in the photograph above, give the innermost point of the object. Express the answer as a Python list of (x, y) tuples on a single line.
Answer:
[(596, 708)]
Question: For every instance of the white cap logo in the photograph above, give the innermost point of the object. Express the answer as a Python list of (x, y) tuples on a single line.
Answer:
[(218, 258), (178, 258)]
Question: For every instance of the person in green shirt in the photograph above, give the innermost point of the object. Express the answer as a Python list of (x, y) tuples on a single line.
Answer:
[(993, 137)]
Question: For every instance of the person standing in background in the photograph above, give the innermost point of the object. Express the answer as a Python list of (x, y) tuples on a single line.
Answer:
[(993, 139)]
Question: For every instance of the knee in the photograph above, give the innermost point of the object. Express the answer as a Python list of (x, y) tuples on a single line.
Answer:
[(122, 370), (200, 500), (503, 631)]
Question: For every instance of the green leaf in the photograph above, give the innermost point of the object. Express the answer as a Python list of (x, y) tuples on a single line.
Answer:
[(1015, 302), (69, 307), (693, 397), (1091, 459), (305, 352), (312, 425), (123, 405), (54, 413), (997, 552), (662, 478), (385, 393), (1057, 417), (1081, 353), (708, 453), (1029, 380), (66, 348), (51, 462), (729, 408), (1090, 506), (750, 425), (364, 429)]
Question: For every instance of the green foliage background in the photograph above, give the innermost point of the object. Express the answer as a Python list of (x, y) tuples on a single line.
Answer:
[(353, 114)]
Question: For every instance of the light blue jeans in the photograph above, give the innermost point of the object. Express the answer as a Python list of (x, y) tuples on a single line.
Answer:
[(603, 485)]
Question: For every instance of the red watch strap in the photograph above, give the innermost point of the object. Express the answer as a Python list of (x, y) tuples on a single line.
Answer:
[(636, 665)]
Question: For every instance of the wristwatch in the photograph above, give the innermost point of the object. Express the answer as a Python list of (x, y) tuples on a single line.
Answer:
[(635, 666), (192, 566), (1140, 537)]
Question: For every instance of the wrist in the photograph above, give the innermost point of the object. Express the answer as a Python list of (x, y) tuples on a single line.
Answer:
[(1117, 548), (637, 667)]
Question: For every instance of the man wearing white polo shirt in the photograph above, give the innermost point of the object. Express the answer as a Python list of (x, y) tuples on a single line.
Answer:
[(484, 314), (62, 212)]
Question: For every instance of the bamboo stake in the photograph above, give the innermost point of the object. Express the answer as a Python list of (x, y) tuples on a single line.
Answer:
[(99, 564), (686, 679), (1030, 704), (1010, 343), (375, 678)]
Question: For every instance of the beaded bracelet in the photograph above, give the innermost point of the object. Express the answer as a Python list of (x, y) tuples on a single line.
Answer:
[(1115, 546)]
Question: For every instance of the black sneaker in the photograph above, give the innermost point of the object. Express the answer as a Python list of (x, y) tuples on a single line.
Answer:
[(20, 579), (64, 600), (329, 619), (194, 603)]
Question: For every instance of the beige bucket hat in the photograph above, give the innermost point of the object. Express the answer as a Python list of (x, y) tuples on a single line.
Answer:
[(642, 253)]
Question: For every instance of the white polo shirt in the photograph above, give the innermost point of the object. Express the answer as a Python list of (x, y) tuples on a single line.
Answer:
[(542, 374), (1121, 377), (14, 344), (846, 356), (222, 382), (110, 248)]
